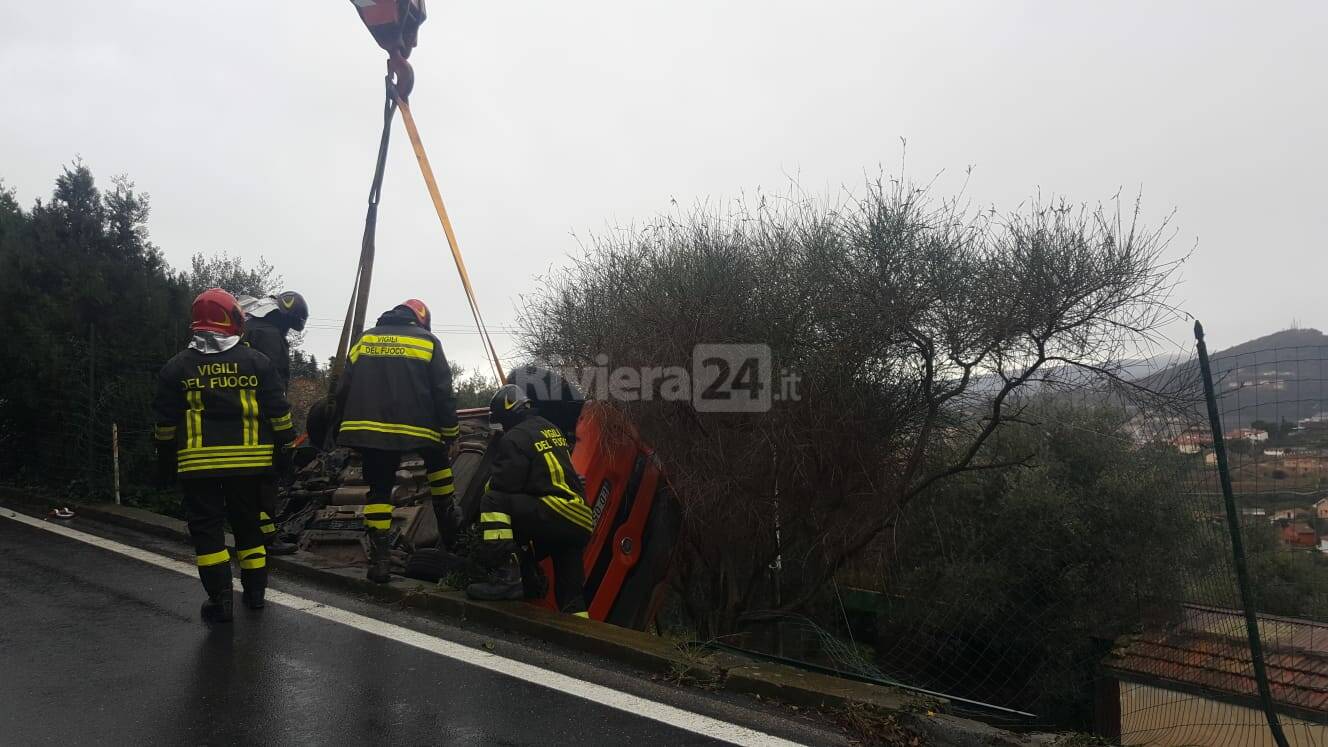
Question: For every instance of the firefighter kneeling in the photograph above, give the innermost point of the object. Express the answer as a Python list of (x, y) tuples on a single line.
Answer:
[(533, 499)]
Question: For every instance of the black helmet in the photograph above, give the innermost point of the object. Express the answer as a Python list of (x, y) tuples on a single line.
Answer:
[(292, 306), (509, 406)]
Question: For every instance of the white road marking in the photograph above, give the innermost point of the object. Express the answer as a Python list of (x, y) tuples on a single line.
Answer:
[(598, 694)]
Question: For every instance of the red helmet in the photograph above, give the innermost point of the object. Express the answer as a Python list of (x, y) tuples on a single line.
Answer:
[(215, 310), (420, 310)]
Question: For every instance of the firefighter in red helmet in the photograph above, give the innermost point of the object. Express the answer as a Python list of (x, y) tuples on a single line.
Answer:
[(394, 396), (220, 416)]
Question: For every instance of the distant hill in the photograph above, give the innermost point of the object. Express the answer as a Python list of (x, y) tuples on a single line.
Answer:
[(1274, 377)]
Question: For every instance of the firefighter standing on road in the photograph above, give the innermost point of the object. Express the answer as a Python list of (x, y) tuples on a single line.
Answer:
[(533, 497), (267, 323), (220, 416), (396, 396)]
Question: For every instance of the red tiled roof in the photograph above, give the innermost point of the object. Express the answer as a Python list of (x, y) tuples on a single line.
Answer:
[(1208, 650)]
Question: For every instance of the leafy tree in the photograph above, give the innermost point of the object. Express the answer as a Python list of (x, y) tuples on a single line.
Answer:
[(229, 273), (474, 390), (1012, 595), (91, 309)]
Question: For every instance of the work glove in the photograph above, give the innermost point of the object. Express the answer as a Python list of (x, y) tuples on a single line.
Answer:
[(166, 464), (282, 463)]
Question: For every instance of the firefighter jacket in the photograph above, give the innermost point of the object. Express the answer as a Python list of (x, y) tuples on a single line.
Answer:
[(270, 340), (396, 391), (533, 458), (222, 412)]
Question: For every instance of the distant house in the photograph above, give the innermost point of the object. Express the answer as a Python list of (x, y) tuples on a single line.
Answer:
[(1192, 442), (1285, 514), (1210, 458), (1275, 452), (1253, 435), (1321, 508), (1300, 534), (1191, 683)]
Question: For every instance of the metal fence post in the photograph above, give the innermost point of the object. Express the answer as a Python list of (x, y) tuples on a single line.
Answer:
[(115, 459), (1237, 545), (90, 432)]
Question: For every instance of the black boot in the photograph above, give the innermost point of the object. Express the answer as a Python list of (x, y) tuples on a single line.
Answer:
[(533, 581), (218, 608), (278, 546), (255, 588), (503, 584), (380, 557)]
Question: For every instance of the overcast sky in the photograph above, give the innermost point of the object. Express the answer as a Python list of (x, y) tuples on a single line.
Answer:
[(254, 125)]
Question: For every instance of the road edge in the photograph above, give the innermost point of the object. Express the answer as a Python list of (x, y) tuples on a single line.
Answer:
[(783, 684)]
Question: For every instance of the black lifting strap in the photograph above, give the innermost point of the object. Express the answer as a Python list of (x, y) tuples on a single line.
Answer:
[(359, 298)]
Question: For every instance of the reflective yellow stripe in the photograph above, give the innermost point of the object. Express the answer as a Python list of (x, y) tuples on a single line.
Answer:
[(282, 423), (227, 459), (218, 452), (206, 450), (558, 477), (249, 408), (451, 431), (572, 508), (497, 534), (442, 490), (563, 510), (585, 615), (418, 343), (252, 558), (193, 421), (392, 346), (441, 474), (378, 508), (223, 464), (496, 517), (378, 523), (164, 432), (213, 558), (394, 428)]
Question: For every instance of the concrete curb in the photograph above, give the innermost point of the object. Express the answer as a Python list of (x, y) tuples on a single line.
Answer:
[(637, 649)]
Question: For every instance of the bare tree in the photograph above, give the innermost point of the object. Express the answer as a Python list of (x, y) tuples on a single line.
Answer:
[(918, 328)]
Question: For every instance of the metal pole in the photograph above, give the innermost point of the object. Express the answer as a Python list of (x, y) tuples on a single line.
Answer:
[(115, 459), (1237, 544), (90, 433)]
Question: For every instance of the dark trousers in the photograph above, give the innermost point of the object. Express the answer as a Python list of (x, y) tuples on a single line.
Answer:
[(553, 527), (267, 506), (208, 503), (380, 471)]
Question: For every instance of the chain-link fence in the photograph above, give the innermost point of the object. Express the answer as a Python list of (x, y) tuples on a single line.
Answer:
[(1097, 584), (1091, 586), (86, 418)]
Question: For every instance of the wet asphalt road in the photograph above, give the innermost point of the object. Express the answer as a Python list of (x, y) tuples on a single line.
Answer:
[(99, 648)]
